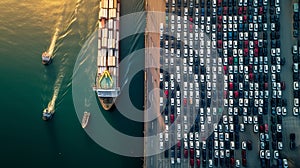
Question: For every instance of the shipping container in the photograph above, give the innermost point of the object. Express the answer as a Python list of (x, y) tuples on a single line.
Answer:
[(112, 13), (111, 43), (104, 43), (99, 43), (111, 61), (104, 33), (104, 4)]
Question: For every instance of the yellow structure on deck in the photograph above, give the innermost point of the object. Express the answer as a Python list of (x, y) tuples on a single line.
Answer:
[(106, 74)]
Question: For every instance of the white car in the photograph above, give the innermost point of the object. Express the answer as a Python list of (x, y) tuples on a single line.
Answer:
[(232, 146), (295, 111), (296, 85), (242, 127), (280, 145), (267, 154), (166, 136), (161, 145), (283, 112), (244, 145), (276, 154), (296, 102), (279, 128), (262, 154), (255, 128), (285, 163)]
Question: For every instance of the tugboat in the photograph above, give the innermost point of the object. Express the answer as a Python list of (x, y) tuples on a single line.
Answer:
[(46, 58), (85, 119), (107, 80), (47, 114)]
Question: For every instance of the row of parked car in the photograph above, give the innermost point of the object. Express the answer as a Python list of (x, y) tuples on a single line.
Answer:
[(296, 54), (241, 44)]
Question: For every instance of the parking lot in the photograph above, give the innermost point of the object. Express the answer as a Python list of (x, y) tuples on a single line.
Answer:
[(229, 84)]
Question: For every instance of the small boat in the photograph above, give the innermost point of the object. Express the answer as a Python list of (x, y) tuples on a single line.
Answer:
[(47, 114), (46, 58), (85, 119)]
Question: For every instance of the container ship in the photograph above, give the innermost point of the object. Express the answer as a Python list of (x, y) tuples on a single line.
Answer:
[(46, 58), (85, 119), (107, 79)]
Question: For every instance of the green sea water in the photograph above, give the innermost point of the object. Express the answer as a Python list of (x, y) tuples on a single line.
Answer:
[(27, 28)]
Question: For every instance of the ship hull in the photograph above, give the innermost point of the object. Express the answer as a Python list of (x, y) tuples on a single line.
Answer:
[(107, 102), (46, 62), (47, 115)]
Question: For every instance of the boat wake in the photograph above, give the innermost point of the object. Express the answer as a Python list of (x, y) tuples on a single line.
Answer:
[(53, 41), (57, 86)]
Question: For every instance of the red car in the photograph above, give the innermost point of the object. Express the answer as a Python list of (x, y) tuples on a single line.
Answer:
[(245, 18), (224, 10), (192, 162), (256, 51), (266, 128), (232, 161), (236, 94), (266, 86), (261, 128), (184, 101), (225, 69), (260, 10), (219, 3), (219, 19), (191, 19), (172, 118), (245, 10), (250, 68), (167, 92), (255, 43), (230, 86), (220, 44), (179, 144), (191, 28), (185, 153), (240, 10), (246, 43), (191, 152), (225, 94), (219, 27), (251, 76), (198, 162), (244, 162), (243, 153), (246, 51), (230, 60), (282, 85)]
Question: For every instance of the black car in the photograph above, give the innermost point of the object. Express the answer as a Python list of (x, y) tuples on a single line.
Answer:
[(274, 145), (295, 25), (292, 141), (272, 35), (249, 145), (279, 119), (279, 136), (296, 17), (166, 153), (271, 10), (295, 33), (296, 93), (273, 119), (295, 76)]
